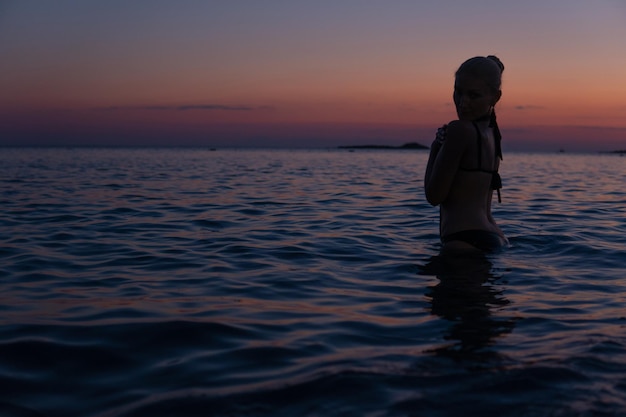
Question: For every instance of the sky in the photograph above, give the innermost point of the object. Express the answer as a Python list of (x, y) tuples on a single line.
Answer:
[(291, 73)]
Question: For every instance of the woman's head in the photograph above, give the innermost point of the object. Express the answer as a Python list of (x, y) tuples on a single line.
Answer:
[(489, 69), (477, 86)]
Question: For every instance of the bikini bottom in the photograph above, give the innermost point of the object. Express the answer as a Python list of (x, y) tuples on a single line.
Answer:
[(482, 239)]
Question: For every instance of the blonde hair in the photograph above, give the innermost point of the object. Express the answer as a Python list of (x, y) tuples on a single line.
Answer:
[(488, 68)]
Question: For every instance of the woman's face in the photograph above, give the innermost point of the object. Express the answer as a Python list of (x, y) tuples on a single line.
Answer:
[(472, 97)]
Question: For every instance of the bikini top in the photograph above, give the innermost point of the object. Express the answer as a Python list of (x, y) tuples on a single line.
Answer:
[(496, 181)]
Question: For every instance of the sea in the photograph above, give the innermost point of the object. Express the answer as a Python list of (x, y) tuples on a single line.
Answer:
[(289, 283)]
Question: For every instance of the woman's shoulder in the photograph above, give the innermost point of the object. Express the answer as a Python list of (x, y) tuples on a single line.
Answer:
[(461, 125), (461, 129)]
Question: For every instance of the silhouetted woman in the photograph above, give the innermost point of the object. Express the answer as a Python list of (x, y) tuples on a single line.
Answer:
[(462, 170)]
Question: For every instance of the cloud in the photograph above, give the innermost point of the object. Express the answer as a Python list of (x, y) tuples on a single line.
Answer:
[(612, 128), (185, 107), (528, 107), (212, 107)]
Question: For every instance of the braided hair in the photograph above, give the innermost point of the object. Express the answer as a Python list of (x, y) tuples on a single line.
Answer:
[(490, 69)]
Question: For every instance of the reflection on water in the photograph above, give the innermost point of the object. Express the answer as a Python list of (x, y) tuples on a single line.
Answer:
[(183, 282), (468, 294)]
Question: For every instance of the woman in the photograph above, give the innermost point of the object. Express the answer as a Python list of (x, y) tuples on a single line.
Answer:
[(462, 170)]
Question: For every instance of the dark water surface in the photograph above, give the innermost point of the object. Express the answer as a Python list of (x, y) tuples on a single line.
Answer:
[(171, 282)]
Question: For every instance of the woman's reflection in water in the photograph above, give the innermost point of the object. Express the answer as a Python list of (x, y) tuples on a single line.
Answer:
[(468, 295)]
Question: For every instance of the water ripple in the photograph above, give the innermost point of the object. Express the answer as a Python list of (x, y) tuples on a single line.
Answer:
[(154, 282)]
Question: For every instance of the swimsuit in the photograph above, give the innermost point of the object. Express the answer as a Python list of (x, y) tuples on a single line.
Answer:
[(496, 181), (482, 239)]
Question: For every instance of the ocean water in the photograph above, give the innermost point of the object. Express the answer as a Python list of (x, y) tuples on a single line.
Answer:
[(190, 282)]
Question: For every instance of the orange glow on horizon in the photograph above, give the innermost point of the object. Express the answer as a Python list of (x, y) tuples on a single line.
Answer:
[(257, 76)]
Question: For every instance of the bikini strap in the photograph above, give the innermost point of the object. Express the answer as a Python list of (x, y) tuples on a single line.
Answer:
[(496, 180), (479, 144), (493, 123)]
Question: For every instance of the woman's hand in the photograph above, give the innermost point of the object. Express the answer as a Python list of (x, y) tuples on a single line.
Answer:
[(441, 135)]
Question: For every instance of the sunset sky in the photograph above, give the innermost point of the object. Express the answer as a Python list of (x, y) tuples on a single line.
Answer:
[(297, 73)]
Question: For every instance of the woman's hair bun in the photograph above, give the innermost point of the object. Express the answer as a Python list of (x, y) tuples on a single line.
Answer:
[(497, 61)]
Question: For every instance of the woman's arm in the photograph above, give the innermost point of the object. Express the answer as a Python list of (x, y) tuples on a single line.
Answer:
[(440, 137), (444, 161), (434, 150)]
